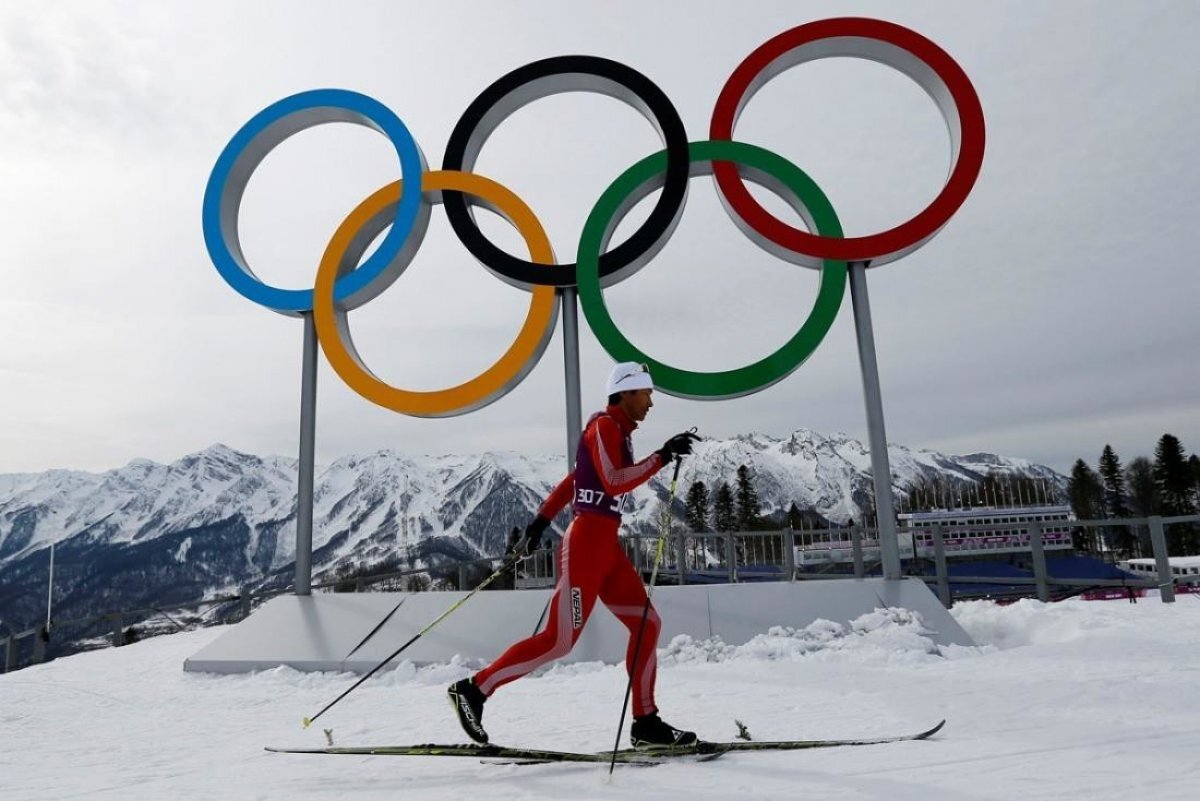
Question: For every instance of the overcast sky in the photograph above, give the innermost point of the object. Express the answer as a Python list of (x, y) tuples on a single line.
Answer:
[(1056, 312)]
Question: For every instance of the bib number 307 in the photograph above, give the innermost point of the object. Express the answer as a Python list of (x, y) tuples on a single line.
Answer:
[(596, 498)]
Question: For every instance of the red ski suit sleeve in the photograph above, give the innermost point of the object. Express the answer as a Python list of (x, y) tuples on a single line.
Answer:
[(604, 439), (558, 498)]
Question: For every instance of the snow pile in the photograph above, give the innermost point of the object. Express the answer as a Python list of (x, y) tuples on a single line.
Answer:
[(883, 636), (1031, 622)]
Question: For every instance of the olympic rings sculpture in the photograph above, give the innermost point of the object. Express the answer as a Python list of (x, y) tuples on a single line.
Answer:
[(403, 208)]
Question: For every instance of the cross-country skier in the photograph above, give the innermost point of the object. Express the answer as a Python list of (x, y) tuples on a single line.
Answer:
[(592, 563)]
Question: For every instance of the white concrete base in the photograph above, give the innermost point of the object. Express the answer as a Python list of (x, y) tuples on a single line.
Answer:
[(332, 631)]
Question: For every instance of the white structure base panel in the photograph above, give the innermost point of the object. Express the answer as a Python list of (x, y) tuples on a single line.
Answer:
[(337, 631)]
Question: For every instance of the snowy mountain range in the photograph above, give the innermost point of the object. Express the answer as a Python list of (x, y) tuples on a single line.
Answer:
[(220, 520)]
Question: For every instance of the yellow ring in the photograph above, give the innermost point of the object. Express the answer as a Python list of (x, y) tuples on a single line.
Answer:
[(333, 331)]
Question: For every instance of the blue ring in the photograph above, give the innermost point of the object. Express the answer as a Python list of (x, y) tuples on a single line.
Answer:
[(338, 105)]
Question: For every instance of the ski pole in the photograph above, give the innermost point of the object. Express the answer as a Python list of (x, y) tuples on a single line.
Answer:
[(505, 566), (637, 647)]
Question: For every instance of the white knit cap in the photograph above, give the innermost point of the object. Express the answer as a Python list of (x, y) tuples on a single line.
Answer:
[(629, 375)]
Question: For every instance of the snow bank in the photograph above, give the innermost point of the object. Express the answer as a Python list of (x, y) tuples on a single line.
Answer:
[(1031, 622), (883, 636)]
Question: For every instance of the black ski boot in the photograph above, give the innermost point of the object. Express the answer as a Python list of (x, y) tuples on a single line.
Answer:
[(468, 700), (650, 731)]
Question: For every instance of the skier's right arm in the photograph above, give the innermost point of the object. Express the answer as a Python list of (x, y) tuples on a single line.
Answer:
[(558, 498), (553, 504)]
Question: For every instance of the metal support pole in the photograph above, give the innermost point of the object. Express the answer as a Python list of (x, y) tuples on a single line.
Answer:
[(40, 638), (1158, 541), (308, 436), (118, 631), (570, 319), (462, 575), (789, 553), (245, 602), (889, 550), (939, 561), (10, 653), (50, 588), (1039, 561), (681, 560), (856, 549), (731, 557)]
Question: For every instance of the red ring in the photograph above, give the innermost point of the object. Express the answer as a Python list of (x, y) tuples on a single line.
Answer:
[(886, 245)]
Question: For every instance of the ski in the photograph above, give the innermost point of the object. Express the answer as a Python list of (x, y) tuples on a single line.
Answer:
[(513, 754), (704, 750)]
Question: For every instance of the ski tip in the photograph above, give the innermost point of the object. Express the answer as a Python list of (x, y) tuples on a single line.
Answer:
[(934, 730), (306, 721)]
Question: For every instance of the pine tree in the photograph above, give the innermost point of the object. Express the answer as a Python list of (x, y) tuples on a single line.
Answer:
[(1114, 483), (1114, 499), (1194, 466), (1173, 478), (724, 518), (795, 519), (1143, 492), (1143, 496), (697, 507), (1087, 498), (748, 508), (1086, 492)]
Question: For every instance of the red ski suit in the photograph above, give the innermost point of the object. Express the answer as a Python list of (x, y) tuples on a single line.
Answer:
[(592, 563)]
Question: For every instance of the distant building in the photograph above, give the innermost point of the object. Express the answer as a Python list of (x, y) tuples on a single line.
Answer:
[(1181, 567), (978, 532), (987, 530)]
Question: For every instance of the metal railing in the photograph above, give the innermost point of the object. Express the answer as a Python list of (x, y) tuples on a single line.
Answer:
[(728, 557)]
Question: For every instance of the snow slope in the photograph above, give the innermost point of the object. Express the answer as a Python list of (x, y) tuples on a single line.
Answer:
[(1077, 701)]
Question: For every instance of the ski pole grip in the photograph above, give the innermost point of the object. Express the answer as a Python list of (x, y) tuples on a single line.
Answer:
[(679, 461)]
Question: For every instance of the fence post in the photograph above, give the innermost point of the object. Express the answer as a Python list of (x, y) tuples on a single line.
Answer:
[(730, 557), (939, 561), (856, 548), (10, 653), (462, 575), (1039, 561), (681, 559), (40, 638), (1158, 541), (789, 553), (118, 632)]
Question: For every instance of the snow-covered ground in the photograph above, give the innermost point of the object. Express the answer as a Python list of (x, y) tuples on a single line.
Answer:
[(1071, 701)]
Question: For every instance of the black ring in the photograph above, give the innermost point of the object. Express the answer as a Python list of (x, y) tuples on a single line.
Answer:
[(567, 74)]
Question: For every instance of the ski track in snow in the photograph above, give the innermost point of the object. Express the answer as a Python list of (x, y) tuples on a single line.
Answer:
[(1074, 701)]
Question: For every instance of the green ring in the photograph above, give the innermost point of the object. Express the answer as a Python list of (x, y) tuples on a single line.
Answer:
[(729, 383)]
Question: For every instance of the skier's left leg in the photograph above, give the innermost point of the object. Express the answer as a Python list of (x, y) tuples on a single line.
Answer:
[(622, 592)]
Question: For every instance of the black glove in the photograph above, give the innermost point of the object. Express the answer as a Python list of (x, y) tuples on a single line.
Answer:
[(533, 536), (514, 537), (678, 445)]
